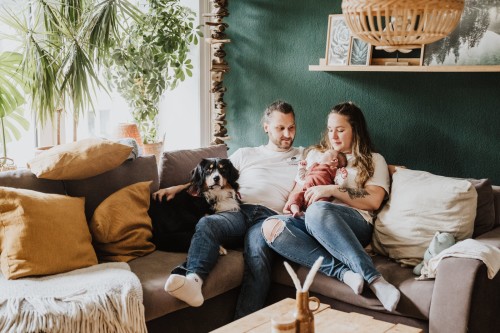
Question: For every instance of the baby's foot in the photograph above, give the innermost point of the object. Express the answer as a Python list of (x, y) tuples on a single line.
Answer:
[(186, 288)]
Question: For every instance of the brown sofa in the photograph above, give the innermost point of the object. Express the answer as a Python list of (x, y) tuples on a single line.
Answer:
[(460, 299)]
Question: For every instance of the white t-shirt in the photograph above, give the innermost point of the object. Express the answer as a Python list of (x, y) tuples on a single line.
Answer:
[(266, 176), (346, 177)]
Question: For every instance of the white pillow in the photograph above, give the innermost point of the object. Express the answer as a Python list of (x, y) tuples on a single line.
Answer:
[(420, 204)]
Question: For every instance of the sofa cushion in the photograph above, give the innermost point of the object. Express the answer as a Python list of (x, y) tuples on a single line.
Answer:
[(415, 295), (420, 204), (176, 166), (98, 188), (79, 160), (154, 269), (24, 178), (121, 227), (42, 234), (485, 213)]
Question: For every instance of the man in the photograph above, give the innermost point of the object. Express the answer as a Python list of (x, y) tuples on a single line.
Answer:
[(266, 178)]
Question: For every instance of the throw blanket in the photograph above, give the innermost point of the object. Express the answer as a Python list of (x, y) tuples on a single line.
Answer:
[(468, 248), (101, 298)]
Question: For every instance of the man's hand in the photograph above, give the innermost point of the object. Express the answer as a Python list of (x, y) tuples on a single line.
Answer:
[(169, 192)]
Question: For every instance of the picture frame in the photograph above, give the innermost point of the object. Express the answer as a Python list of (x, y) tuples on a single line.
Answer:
[(359, 52), (338, 41), (474, 42)]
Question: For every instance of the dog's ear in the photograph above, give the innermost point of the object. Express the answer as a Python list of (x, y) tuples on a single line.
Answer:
[(198, 177), (234, 174)]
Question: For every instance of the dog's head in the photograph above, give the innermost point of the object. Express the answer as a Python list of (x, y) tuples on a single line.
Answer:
[(214, 173)]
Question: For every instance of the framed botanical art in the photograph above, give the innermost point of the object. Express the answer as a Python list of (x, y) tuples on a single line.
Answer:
[(359, 52), (338, 40)]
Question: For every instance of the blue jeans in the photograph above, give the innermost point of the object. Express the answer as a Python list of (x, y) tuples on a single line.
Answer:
[(337, 233), (214, 230)]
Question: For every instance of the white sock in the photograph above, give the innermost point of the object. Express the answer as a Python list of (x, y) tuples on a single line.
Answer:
[(186, 288), (386, 293), (354, 280)]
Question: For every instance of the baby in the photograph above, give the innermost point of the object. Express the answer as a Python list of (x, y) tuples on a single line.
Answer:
[(320, 173)]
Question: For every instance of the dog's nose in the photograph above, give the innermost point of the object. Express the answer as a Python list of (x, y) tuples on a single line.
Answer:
[(216, 179)]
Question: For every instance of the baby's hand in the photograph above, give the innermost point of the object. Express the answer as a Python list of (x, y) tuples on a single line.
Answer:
[(295, 210), (303, 163)]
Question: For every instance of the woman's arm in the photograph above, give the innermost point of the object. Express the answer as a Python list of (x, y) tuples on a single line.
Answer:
[(169, 192), (368, 198)]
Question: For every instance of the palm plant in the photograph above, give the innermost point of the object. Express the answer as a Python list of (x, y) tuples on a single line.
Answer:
[(64, 43), (11, 102), (151, 57)]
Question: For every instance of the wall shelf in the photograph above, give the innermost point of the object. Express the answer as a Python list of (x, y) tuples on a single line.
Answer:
[(382, 68)]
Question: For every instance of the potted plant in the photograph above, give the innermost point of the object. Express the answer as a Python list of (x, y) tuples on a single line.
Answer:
[(11, 102), (151, 57), (64, 43)]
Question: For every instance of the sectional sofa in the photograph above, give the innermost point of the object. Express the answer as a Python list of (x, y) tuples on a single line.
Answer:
[(460, 299)]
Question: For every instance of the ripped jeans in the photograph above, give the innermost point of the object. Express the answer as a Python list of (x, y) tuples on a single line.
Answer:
[(338, 233)]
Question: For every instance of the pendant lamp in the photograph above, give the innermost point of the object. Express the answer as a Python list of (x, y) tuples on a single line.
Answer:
[(401, 25)]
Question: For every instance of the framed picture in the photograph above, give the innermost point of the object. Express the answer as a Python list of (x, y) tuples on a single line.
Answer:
[(359, 52), (475, 41), (338, 40)]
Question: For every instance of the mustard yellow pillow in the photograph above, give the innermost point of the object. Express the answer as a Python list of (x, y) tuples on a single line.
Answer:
[(79, 160), (42, 234), (121, 227)]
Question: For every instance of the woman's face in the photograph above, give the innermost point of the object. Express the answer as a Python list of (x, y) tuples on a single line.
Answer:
[(340, 133)]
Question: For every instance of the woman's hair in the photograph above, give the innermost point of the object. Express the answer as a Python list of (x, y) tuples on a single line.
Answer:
[(279, 106), (362, 147)]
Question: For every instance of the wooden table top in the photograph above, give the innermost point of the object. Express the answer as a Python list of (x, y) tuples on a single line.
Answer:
[(326, 320)]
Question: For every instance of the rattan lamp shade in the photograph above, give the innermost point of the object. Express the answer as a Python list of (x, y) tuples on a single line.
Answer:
[(401, 24)]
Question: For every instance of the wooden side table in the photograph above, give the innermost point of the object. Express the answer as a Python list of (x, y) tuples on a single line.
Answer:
[(325, 319)]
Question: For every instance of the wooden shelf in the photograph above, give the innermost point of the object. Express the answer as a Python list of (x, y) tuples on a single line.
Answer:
[(379, 68)]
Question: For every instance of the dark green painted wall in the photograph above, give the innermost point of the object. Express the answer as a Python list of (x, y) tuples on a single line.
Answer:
[(445, 123)]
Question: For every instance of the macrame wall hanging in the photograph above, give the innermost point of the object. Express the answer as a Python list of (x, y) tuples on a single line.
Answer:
[(218, 67)]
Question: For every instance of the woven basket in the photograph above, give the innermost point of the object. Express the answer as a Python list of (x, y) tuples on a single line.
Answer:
[(401, 24)]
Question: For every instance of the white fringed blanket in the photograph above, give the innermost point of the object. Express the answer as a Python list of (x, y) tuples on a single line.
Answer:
[(101, 298)]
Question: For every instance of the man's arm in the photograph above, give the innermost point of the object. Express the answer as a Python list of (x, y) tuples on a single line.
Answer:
[(169, 192)]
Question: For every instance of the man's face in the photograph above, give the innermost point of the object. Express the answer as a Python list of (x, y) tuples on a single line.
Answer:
[(281, 130)]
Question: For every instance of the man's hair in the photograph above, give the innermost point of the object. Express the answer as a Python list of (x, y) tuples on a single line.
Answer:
[(279, 106)]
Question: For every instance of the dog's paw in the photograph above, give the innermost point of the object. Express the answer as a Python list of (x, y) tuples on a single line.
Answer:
[(222, 251)]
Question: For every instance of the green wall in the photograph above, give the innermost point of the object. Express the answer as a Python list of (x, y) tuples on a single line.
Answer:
[(445, 123)]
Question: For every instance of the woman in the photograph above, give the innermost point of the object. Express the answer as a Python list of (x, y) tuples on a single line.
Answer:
[(339, 230)]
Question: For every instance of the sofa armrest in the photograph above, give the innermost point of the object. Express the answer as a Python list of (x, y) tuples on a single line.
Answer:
[(464, 299)]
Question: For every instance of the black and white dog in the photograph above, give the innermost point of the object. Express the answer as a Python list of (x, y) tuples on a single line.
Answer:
[(213, 188)]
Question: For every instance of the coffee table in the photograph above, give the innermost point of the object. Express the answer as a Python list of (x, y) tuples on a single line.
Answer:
[(325, 319)]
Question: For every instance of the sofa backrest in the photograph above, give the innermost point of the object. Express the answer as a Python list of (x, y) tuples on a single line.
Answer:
[(176, 166), (25, 179), (98, 188), (496, 193)]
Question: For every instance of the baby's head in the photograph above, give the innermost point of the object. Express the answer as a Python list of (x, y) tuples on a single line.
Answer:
[(334, 158)]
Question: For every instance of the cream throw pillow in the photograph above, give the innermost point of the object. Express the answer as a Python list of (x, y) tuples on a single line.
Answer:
[(42, 233), (121, 227), (420, 204), (79, 160)]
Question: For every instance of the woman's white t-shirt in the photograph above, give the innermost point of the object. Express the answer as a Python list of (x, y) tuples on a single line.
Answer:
[(346, 177)]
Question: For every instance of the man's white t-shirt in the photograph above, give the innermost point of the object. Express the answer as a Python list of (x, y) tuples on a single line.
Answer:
[(266, 177)]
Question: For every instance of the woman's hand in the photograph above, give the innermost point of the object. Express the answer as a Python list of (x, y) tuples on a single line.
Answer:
[(315, 193)]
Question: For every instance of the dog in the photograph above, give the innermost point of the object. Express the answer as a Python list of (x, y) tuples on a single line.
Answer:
[(213, 188)]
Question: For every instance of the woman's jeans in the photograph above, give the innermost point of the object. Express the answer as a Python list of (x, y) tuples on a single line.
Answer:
[(231, 227), (338, 233)]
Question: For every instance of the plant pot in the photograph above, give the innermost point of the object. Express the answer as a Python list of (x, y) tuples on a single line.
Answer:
[(155, 149), (7, 164)]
